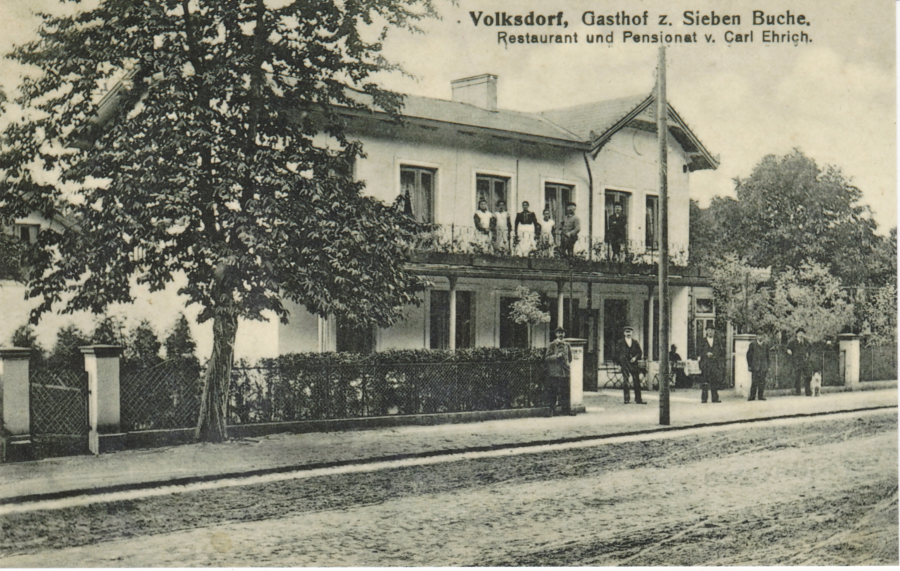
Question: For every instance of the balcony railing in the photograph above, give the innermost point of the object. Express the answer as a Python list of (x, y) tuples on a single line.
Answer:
[(455, 239)]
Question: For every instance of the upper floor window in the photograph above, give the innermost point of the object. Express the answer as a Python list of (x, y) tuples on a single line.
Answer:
[(651, 232), (417, 186), (493, 189), (556, 197), (616, 219)]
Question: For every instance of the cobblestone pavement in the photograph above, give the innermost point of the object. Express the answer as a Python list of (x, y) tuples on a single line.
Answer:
[(818, 492)]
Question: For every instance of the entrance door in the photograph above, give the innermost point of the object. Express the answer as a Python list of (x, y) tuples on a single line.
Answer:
[(615, 317)]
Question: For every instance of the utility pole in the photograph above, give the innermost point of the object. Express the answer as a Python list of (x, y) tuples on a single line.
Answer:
[(662, 131)]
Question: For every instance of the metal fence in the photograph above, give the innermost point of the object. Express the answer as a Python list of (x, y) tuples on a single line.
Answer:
[(878, 363), (59, 402), (353, 391), (163, 396), (828, 362)]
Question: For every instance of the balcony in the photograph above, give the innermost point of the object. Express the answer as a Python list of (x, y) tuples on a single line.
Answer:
[(466, 245)]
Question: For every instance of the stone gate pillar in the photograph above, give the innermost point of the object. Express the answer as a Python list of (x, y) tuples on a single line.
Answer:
[(15, 403), (102, 365), (742, 377), (849, 347), (576, 375)]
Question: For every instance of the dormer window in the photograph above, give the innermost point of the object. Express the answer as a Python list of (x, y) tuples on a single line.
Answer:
[(27, 233)]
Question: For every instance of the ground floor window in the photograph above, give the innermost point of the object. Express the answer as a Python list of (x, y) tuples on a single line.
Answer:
[(573, 327), (440, 319), (615, 318), (353, 338), (512, 334)]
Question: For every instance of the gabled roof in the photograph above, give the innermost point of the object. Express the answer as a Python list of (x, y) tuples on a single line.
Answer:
[(589, 118), (598, 122), (585, 127)]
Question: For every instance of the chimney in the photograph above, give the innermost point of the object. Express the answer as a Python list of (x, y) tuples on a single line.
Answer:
[(480, 91)]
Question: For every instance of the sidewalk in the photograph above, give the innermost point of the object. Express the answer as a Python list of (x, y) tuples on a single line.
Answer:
[(606, 415)]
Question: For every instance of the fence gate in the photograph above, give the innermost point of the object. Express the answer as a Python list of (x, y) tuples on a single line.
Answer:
[(59, 407)]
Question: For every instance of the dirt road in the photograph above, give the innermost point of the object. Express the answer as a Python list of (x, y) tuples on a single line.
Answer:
[(822, 492)]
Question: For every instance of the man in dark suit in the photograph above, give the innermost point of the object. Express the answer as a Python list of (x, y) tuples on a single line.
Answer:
[(711, 354), (627, 354), (800, 353), (616, 230), (758, 363)]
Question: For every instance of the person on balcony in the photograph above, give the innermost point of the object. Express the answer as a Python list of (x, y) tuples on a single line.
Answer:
[(712, 365), (571, 226), (526, 229), (545, 236), (484, 220), (557, 362), (502, 228), (616, 231), (627, 354)]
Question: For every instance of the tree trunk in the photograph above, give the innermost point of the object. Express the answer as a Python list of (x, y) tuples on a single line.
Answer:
[(214, 402)]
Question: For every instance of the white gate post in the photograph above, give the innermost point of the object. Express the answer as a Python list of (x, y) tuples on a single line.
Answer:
[(102, 365), (576, 375), (15, 403), (742, 376), (849, 347)]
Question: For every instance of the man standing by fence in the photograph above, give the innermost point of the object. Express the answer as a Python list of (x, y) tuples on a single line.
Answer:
[(557, 359), (712, 365), (801, 354), (758, 363)]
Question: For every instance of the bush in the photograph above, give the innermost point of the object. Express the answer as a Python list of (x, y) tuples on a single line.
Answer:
[(303, 386)]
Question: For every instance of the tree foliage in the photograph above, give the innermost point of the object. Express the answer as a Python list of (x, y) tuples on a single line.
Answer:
[(812, 298), (529, 309), (222, 154), (789, 211), (741, 295)]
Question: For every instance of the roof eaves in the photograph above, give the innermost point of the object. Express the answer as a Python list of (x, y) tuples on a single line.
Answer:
[(573, 143)]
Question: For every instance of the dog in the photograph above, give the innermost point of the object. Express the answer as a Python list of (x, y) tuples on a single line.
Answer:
[(815, 384)]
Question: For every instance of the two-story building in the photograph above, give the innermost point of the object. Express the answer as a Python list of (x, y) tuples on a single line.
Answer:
[(448, 156)]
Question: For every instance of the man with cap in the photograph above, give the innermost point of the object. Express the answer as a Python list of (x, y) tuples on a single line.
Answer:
[(557, 359), (627, 354), (712, 365)]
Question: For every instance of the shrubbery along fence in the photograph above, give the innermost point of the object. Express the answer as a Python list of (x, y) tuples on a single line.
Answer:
[(342, 385)]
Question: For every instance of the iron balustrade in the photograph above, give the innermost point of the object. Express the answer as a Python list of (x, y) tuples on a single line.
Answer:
[(461, 239)]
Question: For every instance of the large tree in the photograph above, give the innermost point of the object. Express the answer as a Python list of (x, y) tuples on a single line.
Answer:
[(222, 154), (789, 211)]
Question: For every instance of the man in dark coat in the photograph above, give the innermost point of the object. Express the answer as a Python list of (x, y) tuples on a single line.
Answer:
[(627, 354), (616, 230), (758, 363), (711, 354), (557, 360), (800, 352)]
